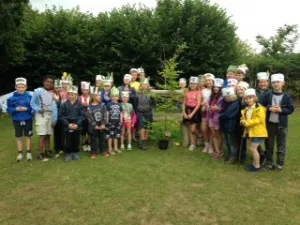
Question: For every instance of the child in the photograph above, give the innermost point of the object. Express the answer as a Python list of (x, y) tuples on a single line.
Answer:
[(134, 76), (114, 113), (241, 72), (127, 113), (182, 91), (99, 80), (97, 118), (45, 109), (263, 85), (127, 88), (85, 101), (206, 92), (229, 121), (145, 104), (279, 105), (231, 74), (241, 88), (214, 107), (66, 82), (18, 106), (254, 121), (58, 129), (201, 84), (72, 115), (190, 110), (141, 73), (106, 94)]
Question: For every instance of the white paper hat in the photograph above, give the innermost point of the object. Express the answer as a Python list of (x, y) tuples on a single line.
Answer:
[(182, 80), (114, 91), (277, 77), (100, 77), (228, 91), (72, 89), (263, 76), (125, 94), (141, 70), (218, 82), (94, 90), (127, 77), (209, 76), (57, 83), (250, 92), (85, 85), (232, 82), (243, 84), (21, 80), (194, 80), (133, 70)]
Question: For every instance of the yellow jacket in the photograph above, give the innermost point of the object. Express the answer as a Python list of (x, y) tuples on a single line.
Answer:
[(256, 126)]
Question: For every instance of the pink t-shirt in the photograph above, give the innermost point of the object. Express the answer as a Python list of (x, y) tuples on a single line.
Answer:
[(191, 98), (63, 96)]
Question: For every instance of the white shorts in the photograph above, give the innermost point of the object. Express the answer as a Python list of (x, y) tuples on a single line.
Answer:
[(43, 123)]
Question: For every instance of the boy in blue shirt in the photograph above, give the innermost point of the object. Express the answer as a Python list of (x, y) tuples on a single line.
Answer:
[(18, 106)]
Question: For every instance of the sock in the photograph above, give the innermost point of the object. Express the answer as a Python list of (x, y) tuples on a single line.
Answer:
[(28, 151), (20, 152)]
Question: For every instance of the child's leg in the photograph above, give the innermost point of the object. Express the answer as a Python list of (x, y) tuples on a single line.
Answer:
[(281, 145), (94, 143), (123, 136), (101, 140), (227, 152), (128, 135), (28, 143), (142, 133), (47, 142), (233, 146), (270, 142), (255, 154), (193, 131), (219, 139), (109, 144), (42, 144), (19, 144), (115, 144)]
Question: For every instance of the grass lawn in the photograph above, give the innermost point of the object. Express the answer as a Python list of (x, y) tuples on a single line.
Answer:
[(151, 187)]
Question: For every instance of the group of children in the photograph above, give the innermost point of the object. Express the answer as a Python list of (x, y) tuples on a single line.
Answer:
[(103, 118), (229, 116)]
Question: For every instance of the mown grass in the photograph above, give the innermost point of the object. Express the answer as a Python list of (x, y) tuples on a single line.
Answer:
[(151, 187)]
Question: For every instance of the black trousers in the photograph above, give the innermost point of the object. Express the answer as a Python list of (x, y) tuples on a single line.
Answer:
[(278, 134), (58, 137), (72, 140), (98, 142)]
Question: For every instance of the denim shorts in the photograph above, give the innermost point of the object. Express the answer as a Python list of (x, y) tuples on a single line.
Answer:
[(257, 140)]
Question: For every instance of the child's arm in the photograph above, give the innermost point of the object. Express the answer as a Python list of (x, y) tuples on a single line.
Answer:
[(81, 115), (10, 108), (91, 119), (197, 106), (104, 116), (183, 107), (54, 113), (35, 101), (259, 118), (62, 116), (231, 112), (288, 108)]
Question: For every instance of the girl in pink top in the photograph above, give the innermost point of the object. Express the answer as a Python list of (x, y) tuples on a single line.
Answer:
[(215, 106), (190, 110)]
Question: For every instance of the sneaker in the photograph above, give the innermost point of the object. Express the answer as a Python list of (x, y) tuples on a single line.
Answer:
[(57, 155), (269, 167), (230, 161), (144, 145), (42, 157), (84, 148), (76, 156), (29, 156), (122, 147), (278, 168), (111, 152), (105, 154), (210, 150), (88, 148), (49, 154), (205, 150), (129, 147), (61, 152), (93, 156), (252, 169), (118, 151), (19, 157), (192, 148), (68, 157)]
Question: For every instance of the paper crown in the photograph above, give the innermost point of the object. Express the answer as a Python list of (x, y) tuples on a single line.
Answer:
[(85, 85), (125, 94), (250, 92), (100, 77), (133, 70), (21, 80), (114, 91), (243, 68), (182, 80), (109, 79), (141, 70), (263, 76), (243, 84), (193, 80), (94, 90), (229, 91), (218, 82), (145, 81), (66, 78), (277, 77), (201, 79), (232, 82), (127, 77), (72, 89), (231, 68), (57, 83), (209, 76)]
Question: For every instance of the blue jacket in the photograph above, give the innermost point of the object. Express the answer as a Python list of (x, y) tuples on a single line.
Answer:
[(36, 104), (18, 100), (286, 105), (229, 117), (106, 99), (71, 113)]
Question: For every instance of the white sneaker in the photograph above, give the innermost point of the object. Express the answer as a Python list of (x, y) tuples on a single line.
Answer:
[(88, 148), (192, 148), (205, 150), (19, 157), (122, 147), (57, 155), (28, 156), (129, 147), (118, 151), (61, 152), (210, 150), (84, 148)]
